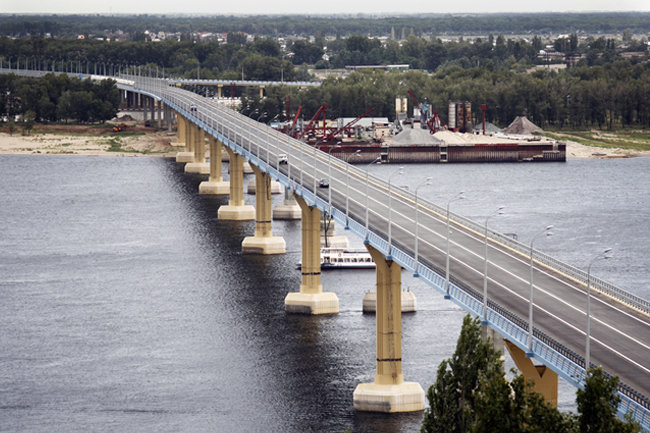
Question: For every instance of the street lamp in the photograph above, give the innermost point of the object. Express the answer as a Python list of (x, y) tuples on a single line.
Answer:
[(367, 192), (426, 181), (459, 196), (347, 183), (397, 172), (547, 232), (499, 211), (603, 255)]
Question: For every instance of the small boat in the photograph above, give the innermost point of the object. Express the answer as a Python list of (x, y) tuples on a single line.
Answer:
[(344, 258)]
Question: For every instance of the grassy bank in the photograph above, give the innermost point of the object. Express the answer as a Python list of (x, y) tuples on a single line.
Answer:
[(629, 139)]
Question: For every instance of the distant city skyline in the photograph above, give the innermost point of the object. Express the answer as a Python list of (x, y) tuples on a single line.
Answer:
[(252, 7)]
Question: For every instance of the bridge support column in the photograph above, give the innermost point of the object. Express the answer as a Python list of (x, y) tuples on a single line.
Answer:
[(311, 299), (215, 184), (388, 392), (182, 133), (219, 90), (263, 242), (236, 210), (545, 379), (261, 92), (198, 165)]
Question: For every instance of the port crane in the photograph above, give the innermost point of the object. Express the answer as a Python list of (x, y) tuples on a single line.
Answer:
[(431, 120)]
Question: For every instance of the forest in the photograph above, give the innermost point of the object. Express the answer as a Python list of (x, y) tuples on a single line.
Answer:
[(66, 26), (57, 98), (606, 89)]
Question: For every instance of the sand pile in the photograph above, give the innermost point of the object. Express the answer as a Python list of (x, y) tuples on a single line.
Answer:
[(522, 126)]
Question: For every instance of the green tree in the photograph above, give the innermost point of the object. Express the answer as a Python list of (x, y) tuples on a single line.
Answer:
[(598, 403)]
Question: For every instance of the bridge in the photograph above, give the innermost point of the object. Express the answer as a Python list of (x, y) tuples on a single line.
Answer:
[(492, 276)]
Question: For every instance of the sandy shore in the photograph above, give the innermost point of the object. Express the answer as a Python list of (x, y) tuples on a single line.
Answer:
[(148, 144), (161, 144)]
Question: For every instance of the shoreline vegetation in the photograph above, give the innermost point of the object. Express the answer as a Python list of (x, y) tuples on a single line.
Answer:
[(136, 140)]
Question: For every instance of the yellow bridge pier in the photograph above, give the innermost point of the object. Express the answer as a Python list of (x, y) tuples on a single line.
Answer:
[(215, 184), (263, 242), (236, 210), (182, 137), (544, 379), (198, 164), (389, 392), (311, 299)]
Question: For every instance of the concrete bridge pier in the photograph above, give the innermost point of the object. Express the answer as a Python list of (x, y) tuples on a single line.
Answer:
[(544, 379), (198, 165), (263, 242), (236, 210), (328, 236), (215, 184), (389, 392), (289, 210), (311, 299), (182, 132)]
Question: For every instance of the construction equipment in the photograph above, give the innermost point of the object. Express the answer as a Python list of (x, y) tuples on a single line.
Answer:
[(119, 127), (431, 120), (311, 126), (332, 135)]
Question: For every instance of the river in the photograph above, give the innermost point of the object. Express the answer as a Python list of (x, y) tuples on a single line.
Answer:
[(127, 306)]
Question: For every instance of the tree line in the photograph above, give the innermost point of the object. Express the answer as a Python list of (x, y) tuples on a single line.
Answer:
[(57, 98), (609, 96), (472, 394), (332, 25)]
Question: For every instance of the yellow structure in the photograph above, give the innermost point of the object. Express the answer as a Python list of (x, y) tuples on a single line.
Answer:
[(311, 299), (544, 378), (182, 133), (215, 184), (198, 164), (388, 392), (219, 90), (263, 242), (236, 210), (261, 92)]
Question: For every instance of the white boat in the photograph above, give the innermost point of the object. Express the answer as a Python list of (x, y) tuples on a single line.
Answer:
[(344, 258)]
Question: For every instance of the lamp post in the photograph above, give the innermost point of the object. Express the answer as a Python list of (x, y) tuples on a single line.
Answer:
[(367, 193), (499, 211), (426, 181), (547, 232), (347, 193), (397, 172), (459, 196), (602, 255)]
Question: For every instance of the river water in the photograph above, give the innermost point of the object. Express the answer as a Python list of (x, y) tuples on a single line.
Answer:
[(127, 306)]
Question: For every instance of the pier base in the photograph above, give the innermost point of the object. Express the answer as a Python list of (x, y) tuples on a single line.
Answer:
[(197, 167), (374, 397), (289, 210), (276, 187), (215, 188), (185, 157), (311, 303), (409, 302)]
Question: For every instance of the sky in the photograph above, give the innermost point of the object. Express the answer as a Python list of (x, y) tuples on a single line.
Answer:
[(314, 7)]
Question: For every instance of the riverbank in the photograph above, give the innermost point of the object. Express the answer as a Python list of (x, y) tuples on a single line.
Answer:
[(147, 142)]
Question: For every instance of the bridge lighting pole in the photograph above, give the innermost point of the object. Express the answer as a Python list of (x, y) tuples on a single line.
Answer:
[(459, 196), (547, 232), (367, 192), (499, 211), (397, 172), (329, 175), (604, 256), (347, 186), (426, 181)]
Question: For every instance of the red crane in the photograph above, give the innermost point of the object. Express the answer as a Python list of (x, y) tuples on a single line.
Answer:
[(310, 126)]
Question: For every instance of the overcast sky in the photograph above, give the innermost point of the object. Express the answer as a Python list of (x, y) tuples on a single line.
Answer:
[(314, 7)]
